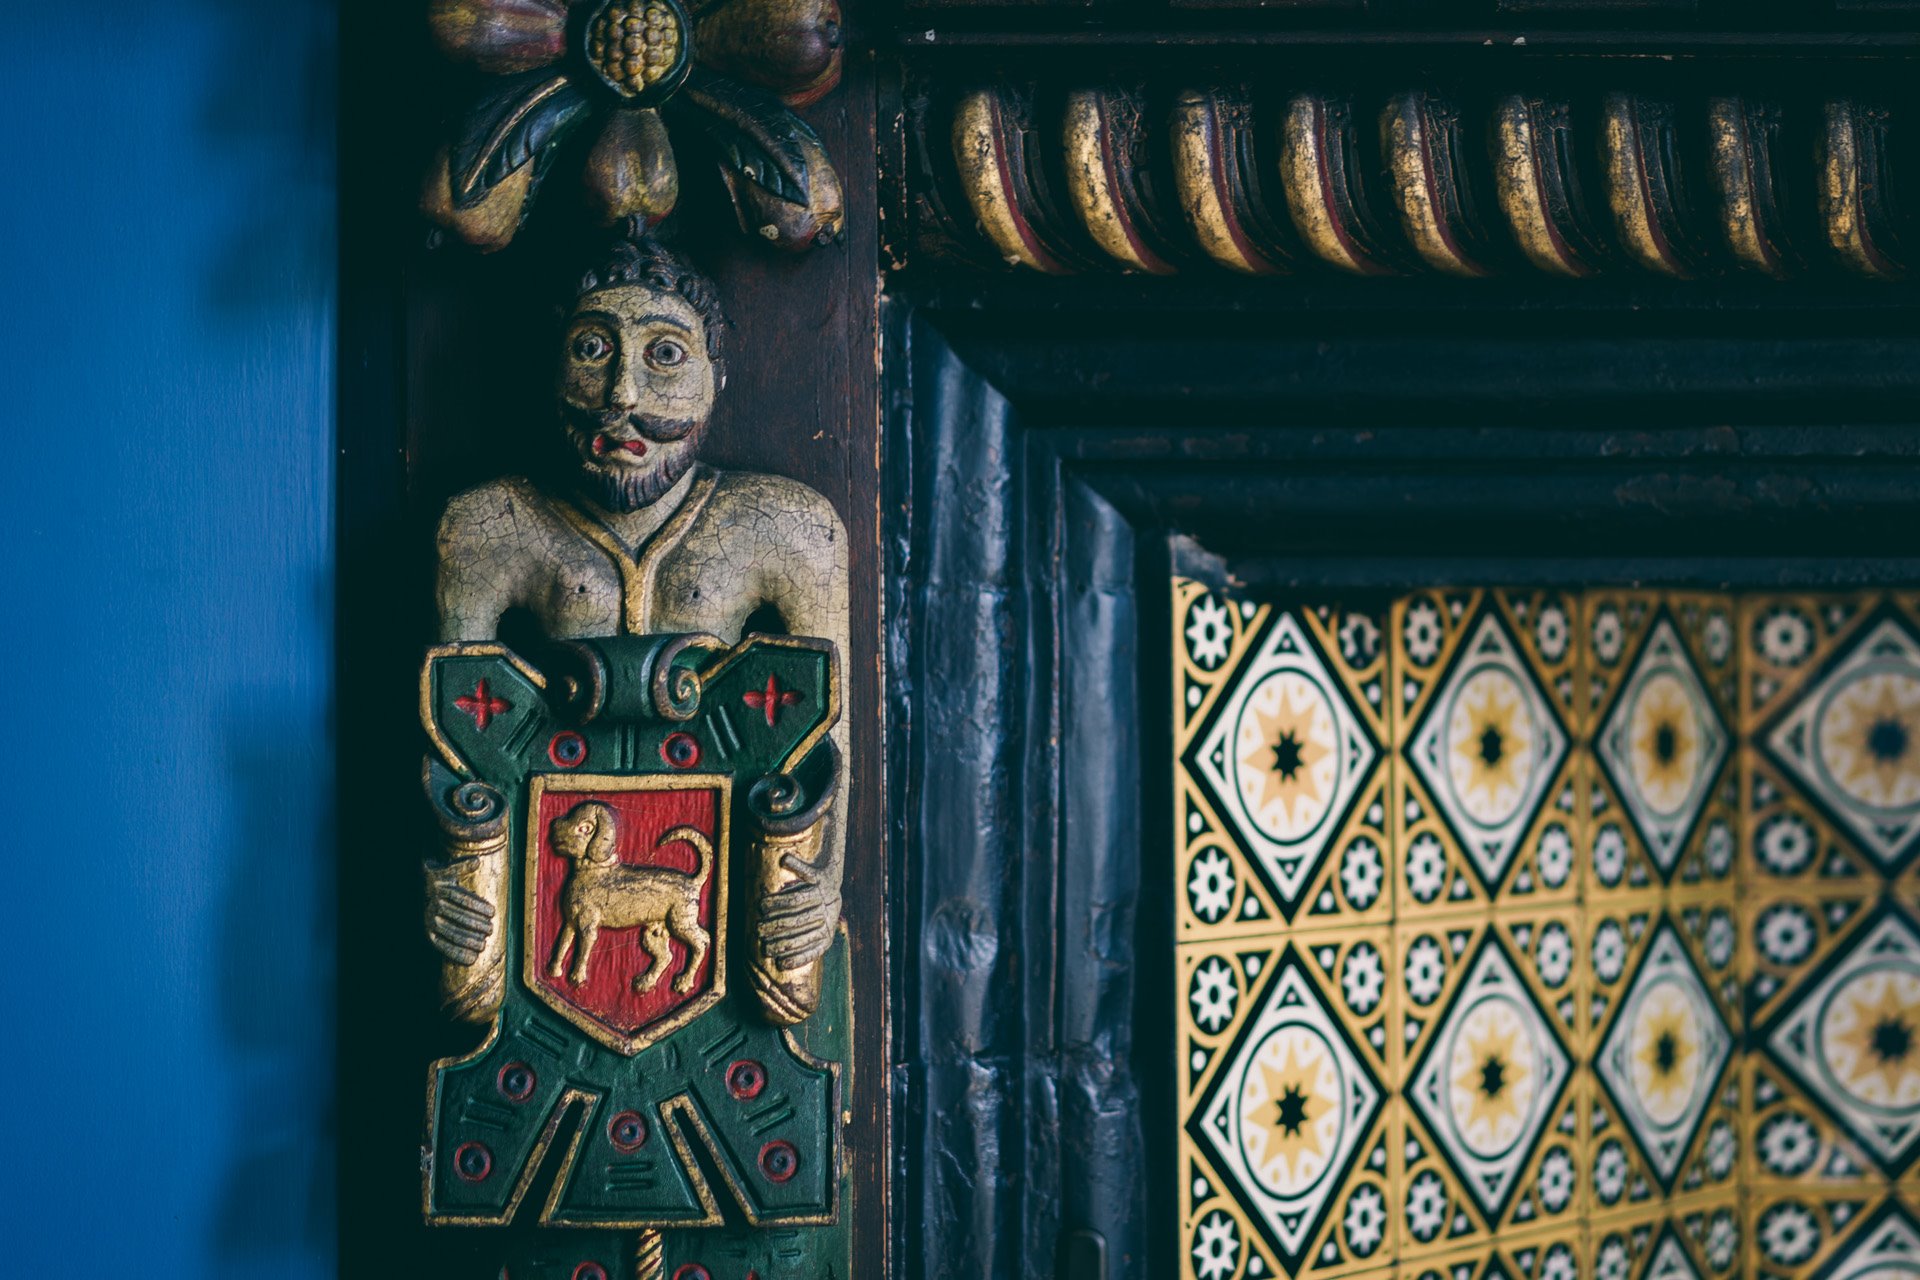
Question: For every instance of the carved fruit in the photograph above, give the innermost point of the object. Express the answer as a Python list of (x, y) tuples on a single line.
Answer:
[(792, 47), (637, 46)]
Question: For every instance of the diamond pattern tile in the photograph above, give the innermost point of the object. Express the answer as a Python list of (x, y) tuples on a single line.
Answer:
[(1663, 745), (1547, 934), (1488, 747), (1662, 1060), (1490, 1079)]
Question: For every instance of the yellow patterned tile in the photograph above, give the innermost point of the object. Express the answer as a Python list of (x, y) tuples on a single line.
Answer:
[(1661, 681), (1286, 1151), (1491, 1046), (1597, 912), (1482, 698)]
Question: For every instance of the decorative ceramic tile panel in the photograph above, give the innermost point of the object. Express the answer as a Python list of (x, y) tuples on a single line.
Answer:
[(1548, 935)]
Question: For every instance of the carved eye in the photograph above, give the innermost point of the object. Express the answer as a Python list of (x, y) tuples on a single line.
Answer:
[(666, 353), (591, 346)]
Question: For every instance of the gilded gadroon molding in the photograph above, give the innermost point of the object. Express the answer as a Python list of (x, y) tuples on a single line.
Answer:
[(636, 892), (1411, 183)]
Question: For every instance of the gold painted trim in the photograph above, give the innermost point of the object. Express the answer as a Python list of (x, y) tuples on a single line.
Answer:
[(535, 1158), (1842, 212), (1090, 184), (709, 674), (683, 1103), (567, 783), (1199, 180), (650, 1256), (1733, 180), (1520, 189), (981, 158), (428, 721), (1409, 156), (637, 574), (1305, 176), (1628, 192)]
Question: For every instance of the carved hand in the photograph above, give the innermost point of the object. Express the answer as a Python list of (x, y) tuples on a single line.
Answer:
[(797, 921), (459, 921)]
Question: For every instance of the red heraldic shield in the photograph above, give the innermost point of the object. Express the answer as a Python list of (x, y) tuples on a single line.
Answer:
[(626, 910)]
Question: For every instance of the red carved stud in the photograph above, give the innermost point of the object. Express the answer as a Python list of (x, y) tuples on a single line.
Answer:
[(681, 750), (482, 705), (568, 749), (589, 1271), (472, 1161), (692, 1271), (771, 700), (516, 1081), (627, 1132), (779, 1160), (745, 1079)]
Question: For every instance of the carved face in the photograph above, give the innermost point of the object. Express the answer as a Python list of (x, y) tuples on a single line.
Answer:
[(636, 389), (583, 833)]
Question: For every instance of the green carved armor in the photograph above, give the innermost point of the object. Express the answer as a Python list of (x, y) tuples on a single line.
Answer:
[(621, 809)]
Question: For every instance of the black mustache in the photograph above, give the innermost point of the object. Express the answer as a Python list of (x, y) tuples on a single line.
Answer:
[(659, 430)]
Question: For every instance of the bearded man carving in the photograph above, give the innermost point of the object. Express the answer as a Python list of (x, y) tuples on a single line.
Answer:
[(643, 537)]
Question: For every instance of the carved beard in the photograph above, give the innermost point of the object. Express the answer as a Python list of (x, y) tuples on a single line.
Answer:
[(672, 449)]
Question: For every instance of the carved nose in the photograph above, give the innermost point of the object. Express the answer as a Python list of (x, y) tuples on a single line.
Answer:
[(625, 393)]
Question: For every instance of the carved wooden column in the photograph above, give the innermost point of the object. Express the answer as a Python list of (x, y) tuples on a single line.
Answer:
[(652, 870)]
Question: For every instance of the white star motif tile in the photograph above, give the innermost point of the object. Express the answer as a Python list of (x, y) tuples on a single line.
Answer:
[(1490, 1079), (1662, 1058), (1487, 748), (1852, 741), (1851, 1038), (1663, 744), (1289, 1111), (1285, 758)]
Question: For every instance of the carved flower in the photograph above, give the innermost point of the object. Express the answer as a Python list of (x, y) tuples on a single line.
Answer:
[(718, 75)]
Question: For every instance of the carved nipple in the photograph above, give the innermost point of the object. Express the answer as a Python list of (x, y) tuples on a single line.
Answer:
[(639, 47)]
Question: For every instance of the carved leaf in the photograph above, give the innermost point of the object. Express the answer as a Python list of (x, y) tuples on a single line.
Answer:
[(509, 128), (757, 138)]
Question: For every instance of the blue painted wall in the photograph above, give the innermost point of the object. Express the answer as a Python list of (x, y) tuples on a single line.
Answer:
[(166, 392)]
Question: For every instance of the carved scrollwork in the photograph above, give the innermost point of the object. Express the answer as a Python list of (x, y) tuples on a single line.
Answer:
[(1415, 182), (463, 884), (797, 885)]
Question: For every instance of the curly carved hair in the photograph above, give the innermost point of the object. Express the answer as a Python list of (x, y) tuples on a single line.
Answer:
[(637, 258)]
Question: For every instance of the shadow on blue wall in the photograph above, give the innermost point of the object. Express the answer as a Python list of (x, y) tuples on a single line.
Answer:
[(166, 508)]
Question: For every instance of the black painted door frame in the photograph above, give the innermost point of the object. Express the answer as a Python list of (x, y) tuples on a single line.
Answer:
[(1055, 455)]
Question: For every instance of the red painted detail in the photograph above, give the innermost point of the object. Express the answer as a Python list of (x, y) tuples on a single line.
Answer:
[(568, 749), (745, 1079), (1110, 170), (641, 817), (589, 1271), (472, 1161), (603, 444), (627, 1132), (482, 705), (692, 1271), (779, 1160), (771, 700), (681, 750), (1001, 141), (516, 1081)]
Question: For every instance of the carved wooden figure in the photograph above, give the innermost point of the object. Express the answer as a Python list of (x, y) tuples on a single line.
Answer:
[(639, 889)]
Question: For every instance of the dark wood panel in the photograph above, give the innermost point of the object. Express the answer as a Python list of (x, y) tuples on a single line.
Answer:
[(446, 380)]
